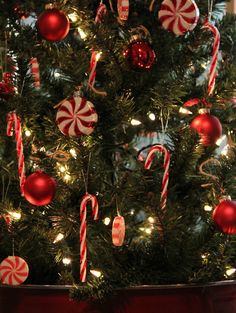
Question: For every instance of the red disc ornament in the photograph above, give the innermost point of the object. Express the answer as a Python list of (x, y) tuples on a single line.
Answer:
[(140, 55), (13, 270), (53, 25), (39, 188), (208, 127), (76, 117), (178, 16), (224, 215), (118, 231)]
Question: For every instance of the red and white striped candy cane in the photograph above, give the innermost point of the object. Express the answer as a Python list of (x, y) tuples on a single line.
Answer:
[(93, 65), (13, 119), (123, 9), (214, 58), (83, 229), (35, 72), (95, 55), (101, 11), (165, 180)]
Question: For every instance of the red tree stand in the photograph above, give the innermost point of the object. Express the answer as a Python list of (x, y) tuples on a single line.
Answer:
[(212, 298)]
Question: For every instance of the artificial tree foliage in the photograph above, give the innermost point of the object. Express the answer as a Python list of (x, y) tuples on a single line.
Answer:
[(187, 247)]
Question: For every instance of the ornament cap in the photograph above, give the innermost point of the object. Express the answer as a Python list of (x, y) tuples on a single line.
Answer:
[(204, 111)]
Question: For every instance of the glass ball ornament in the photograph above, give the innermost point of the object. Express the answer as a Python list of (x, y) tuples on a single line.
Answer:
[(224, 216), (208, 127), (140, 55), (53, 24), (39, 188)]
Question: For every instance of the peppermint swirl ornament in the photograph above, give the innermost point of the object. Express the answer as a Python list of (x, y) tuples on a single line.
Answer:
[(76, 117), (179, 16), (13, 270)]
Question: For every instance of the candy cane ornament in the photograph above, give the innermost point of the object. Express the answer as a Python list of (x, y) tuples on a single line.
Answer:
[(83, 229), (101, 11), (93, 64), (165, 180), (35, 72), (214, 58), (14, 120)]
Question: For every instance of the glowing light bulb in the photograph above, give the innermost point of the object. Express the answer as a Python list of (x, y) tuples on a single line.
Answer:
[(132, 212), (56, 74), (98, 56), (67, 177), (207, 208), (151, 220), (107, 220), (82, 34), (152, 116), (184, 111), (62, 169), (96, 273), (27, 133), (59, 237), (73, 153), (148, 231), (15, 215), (66, 261), (230, 271), (135, 122), (73, 17)]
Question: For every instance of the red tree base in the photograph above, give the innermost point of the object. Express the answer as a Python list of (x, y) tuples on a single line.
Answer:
[(213, 298)]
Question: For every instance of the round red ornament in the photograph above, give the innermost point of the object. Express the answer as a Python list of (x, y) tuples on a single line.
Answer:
[(53, 25), (140, 55), (208, 127), (224, 215), (39, 188), (6, 85), (13, 270)]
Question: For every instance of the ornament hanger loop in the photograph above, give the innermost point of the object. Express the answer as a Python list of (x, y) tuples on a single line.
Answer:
[(86, 176), (210, 9), (211, 160)]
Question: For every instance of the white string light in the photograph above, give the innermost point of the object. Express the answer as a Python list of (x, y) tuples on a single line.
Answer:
[(152, 116), (230, 271), (58, 238), (107, 221), (96, 273), (66, 261), (15, 215), (207, 208), (134, 122)]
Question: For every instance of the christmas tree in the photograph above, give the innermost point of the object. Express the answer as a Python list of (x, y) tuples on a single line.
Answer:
[(117, 142)]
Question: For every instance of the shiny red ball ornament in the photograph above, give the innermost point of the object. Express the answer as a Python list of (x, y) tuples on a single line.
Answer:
[(140, 55), (53, 25), (208, 127), (39, 188), (6, 86), (224, 215)]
